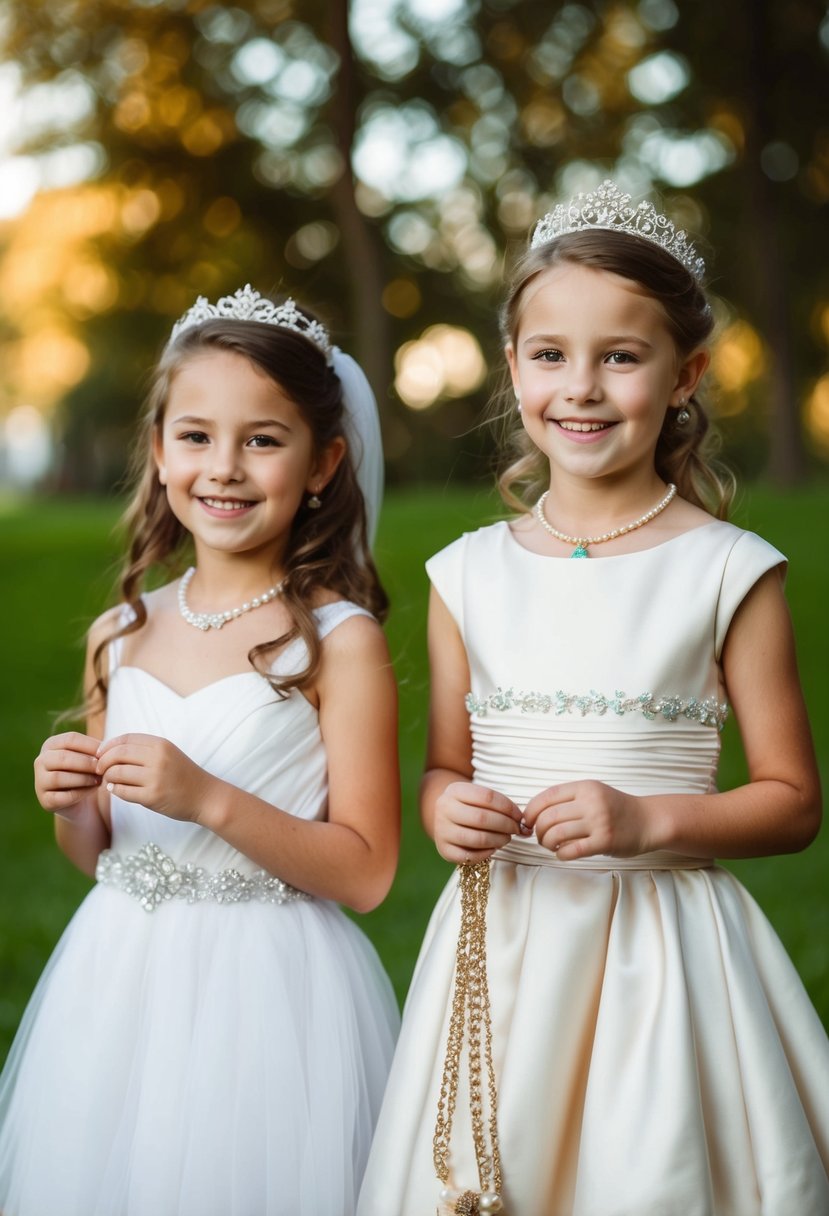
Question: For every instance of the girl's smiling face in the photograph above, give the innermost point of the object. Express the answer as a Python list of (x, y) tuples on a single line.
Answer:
[(595, 368), (236, 455)]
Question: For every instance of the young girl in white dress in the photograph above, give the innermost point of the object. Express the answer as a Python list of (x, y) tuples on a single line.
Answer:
[(212, 1034), (643, 1045)]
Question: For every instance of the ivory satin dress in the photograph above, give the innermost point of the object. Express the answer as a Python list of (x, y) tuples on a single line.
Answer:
[(655, 1051), (204, 1041)]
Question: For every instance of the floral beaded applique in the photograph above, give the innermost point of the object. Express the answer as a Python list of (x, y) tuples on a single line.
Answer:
[(151, 877), (708, 712)]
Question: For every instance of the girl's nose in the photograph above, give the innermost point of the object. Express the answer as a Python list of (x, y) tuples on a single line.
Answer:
[(225, 466), (582, 384)]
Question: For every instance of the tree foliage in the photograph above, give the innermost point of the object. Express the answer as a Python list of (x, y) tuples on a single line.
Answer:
[(381, 162)]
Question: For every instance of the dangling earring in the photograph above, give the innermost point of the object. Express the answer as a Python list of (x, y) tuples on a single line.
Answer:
[(518, 403), (314, 503), (683, 416)]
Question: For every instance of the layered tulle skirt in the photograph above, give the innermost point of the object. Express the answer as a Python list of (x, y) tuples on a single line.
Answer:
[(655, 1052), (204, 1060)]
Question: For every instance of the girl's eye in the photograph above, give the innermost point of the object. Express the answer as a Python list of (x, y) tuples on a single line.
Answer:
[(264, 441), (194, 437), (548, 356), (621, 356)]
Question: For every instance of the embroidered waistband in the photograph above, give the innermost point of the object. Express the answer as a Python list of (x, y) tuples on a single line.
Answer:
[(530, 853), (708, 712), (151, 877)]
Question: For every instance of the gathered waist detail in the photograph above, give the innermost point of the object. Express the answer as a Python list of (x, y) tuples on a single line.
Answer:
[(530, 853), (151, 877)]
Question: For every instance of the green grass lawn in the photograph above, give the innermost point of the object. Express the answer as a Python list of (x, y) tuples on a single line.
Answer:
[(57, 562)]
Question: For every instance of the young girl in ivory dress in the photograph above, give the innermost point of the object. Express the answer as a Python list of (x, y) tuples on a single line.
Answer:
[(623, 1034), (212, 1034)]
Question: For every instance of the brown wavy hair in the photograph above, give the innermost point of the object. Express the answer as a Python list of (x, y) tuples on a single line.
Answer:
[(327, 548), (684, 454)]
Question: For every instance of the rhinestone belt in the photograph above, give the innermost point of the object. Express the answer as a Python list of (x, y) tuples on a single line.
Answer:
[(151, 877)]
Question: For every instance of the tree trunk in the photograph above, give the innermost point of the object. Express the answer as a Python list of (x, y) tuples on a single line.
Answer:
[(787, 463), (361, 247)]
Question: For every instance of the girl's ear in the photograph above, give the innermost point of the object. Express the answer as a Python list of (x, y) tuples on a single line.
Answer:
[(325, 465), (158, 456), (509, 352), (690, 374)]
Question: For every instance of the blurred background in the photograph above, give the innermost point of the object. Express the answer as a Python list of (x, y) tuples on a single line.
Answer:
[(383, 161)]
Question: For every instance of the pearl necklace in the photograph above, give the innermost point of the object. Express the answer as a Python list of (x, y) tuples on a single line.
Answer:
[(582, 542), (215, 620)]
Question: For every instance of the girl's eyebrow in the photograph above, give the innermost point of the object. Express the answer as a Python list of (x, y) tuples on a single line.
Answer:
[(205, 423), (272, 422), (610, 340)]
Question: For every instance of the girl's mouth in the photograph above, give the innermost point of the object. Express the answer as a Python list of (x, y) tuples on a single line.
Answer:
[(589, 431), (567, 424), (226, 505)]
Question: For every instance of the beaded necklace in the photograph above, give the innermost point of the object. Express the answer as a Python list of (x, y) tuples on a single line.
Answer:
[(582, 542), (216, 620)]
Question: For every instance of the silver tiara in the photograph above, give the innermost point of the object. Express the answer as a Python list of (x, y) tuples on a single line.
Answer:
[(609, 209), (247, 305)]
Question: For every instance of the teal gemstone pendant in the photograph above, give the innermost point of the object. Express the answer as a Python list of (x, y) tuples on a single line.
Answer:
[(580, 551)]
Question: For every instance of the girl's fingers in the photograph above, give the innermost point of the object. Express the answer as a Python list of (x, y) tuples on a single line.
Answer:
[(72, 741), (556, 795), (124, 741), (476, 841), (127, 793), (59, 800), (558, 835), (483, 798), (63, 780), (130, 775), (125, 755), (60, 760)]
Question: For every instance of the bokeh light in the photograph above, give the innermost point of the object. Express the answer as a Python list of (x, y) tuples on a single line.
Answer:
[(446, 361), (817, 414), (26, 447)]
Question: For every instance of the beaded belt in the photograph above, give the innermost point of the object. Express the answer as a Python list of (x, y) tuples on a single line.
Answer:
[(151, 877)]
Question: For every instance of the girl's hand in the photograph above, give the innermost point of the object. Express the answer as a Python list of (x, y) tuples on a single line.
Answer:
[(583, 818), (66, 772), (153, 772), (472, 821)]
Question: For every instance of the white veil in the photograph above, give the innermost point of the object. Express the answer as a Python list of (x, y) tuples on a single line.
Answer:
[(362, 430)]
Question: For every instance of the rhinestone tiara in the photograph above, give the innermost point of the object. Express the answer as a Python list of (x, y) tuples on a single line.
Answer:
[(608, 208), (248, 305)]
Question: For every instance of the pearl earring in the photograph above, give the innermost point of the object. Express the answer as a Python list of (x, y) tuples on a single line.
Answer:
[(314, 502), (683, 416)]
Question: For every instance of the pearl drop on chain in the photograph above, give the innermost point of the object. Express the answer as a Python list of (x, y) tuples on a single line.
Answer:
[(490, 1201), (216, 620), (487, 1201), (582, 542)]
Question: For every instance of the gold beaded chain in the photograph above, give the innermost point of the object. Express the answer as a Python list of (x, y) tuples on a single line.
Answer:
[(470, 1010)]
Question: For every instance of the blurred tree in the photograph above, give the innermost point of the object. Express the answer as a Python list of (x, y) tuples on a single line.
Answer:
[(759, 77), (378, 159)]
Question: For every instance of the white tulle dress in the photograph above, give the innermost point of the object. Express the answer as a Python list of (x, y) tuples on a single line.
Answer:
[(656, 1053), (203, 1041)]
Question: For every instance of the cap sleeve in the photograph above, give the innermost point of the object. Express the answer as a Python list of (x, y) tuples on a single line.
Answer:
[(749, 559), (445, 572)]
